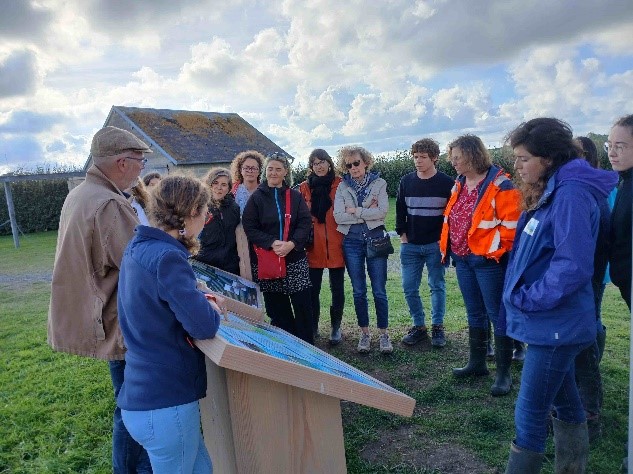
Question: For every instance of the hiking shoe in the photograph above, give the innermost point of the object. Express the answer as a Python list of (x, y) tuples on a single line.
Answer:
[(385, 344), (364, 343), (415, 335), (336, 336), (438, 338)]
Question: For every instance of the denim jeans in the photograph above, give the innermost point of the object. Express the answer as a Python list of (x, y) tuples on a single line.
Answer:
[(413, 257), (481, 282), (355, 253), (172, 437), (128, 457), (547, 381)]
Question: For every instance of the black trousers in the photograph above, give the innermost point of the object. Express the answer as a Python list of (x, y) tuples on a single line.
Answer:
[(292, 313), (337, 279)]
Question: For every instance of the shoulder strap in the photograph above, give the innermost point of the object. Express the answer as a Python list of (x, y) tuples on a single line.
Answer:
[(287, 216)]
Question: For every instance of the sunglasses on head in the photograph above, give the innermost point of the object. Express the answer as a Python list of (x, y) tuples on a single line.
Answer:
[(354, 164)]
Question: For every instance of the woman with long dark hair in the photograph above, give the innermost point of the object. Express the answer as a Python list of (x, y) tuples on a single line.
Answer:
[(326, 251), (548, 295)]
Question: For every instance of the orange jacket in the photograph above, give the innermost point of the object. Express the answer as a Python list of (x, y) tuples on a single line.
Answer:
[(327, 251), (494, 218)]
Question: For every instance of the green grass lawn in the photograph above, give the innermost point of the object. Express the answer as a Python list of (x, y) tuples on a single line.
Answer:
[(55, 409)]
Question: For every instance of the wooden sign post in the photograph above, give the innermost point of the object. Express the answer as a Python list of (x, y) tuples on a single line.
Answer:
[(273, 401)]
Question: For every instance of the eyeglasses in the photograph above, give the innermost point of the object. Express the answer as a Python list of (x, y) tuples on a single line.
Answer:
[(251, 169), (617, 148), (354, 164), (142, 161), (319, 163)]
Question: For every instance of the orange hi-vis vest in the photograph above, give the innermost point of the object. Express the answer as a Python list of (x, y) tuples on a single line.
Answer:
[(495, 216)]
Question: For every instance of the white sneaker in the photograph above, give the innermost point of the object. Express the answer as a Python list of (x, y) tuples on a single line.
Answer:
[(385, 344), (364, 343)]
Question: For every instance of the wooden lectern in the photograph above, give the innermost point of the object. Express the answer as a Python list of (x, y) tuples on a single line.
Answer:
[(273, 401)]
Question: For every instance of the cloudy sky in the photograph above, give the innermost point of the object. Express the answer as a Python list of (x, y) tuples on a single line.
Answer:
[(311, 73)]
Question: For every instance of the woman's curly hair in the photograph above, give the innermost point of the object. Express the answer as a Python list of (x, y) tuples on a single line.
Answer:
[(175, 199), (238, 161), (346, 151)]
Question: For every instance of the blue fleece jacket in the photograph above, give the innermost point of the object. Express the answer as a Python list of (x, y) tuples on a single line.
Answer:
[(160, 311), (547, 296)]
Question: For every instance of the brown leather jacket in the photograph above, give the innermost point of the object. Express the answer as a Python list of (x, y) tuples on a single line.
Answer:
[(96, 224)]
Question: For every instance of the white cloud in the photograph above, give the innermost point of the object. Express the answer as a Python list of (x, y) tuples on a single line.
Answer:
[(318, 72)]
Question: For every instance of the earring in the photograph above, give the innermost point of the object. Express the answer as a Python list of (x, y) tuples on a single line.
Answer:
[(182, 232)]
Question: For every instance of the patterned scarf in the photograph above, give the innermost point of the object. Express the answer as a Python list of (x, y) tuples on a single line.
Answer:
[(361, 186)]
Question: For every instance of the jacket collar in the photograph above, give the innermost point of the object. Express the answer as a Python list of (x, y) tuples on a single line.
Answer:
[(145, 233), (96, 175)]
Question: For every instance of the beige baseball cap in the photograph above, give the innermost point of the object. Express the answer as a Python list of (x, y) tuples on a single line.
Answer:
[(111, 141)]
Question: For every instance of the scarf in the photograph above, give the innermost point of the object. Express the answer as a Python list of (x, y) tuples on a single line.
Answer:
[(360, 187), (320, 189)]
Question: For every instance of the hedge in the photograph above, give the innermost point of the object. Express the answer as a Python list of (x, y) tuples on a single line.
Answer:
[(37, 205), (394, 166)]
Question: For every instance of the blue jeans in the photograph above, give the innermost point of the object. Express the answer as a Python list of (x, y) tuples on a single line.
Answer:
[(547, 381), (128, 457), (355, 253), (172, 438), (481, 282), (413, 257)]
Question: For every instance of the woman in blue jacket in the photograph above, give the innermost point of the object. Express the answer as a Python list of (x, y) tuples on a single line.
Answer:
[(160, 313), (548, 296)]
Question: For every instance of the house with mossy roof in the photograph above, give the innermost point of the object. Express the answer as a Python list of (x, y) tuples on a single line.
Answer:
[(189, 141)]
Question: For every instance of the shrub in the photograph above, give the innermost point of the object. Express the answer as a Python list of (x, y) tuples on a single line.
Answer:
[(37, 204)]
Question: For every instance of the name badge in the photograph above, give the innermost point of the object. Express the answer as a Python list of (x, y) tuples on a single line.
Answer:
[(531, 226)]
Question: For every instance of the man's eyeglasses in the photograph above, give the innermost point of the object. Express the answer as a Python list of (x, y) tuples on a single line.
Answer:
[(617, 148), (142, 161), (354, 164), (251, 169)]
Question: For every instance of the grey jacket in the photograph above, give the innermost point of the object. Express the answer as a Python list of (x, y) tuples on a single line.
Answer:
[(372, 216)]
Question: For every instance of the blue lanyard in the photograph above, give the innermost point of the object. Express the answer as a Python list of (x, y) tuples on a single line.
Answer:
[(281, 229)]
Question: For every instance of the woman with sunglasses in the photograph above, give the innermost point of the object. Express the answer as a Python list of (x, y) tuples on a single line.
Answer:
[(218, 244), (326, 251), (360, 207)]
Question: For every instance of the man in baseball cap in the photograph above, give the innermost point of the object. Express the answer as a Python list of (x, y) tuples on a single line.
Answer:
[(96, 223)]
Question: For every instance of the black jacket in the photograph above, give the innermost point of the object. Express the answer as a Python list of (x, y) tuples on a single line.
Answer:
[(261, 220), (620, 256), (218, 245)]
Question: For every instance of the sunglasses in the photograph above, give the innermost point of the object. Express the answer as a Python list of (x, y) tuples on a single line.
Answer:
[(354, 164)]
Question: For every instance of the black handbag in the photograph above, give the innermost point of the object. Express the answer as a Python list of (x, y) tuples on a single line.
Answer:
[(379, 246)]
